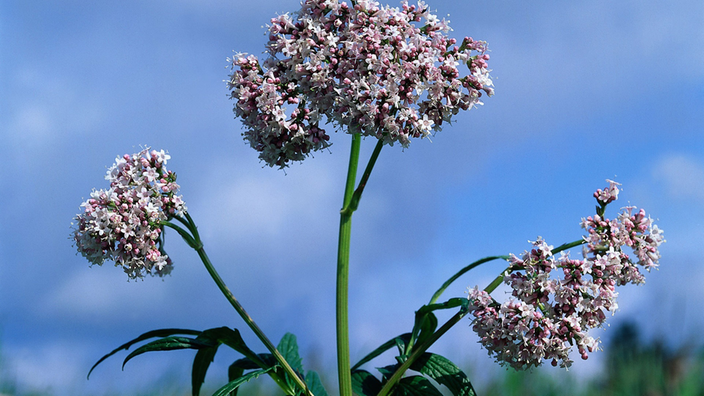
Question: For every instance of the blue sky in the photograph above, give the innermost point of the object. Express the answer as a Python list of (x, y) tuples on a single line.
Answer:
[(585, 91)]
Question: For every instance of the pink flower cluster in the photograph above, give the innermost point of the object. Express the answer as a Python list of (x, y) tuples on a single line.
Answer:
[(557, 300), (384, 72), (123, 223)]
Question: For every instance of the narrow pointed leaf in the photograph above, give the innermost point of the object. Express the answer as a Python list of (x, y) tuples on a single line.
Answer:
[(403, 338), (168, 344), (315, 384), (445, 373), (364, 383), (247, 363), (416, 386), (427, 327), (143, 337), (451, 303), (233, 373), (201, 363), (233, 385), (233, 339)]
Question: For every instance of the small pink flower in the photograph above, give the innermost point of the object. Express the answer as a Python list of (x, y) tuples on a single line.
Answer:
[(546, 316), (384, 72), (123, 223)]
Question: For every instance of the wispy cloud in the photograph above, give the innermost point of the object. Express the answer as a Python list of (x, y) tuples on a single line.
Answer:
[(681, 175)]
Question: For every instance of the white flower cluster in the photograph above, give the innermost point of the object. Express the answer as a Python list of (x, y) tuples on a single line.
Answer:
[(123, 223), (547, 316), (384, 72)]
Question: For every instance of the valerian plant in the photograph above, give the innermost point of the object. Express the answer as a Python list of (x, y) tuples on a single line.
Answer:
[(389, 74)]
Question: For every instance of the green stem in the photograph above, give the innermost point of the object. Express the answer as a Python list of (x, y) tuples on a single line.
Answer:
[(195, 242), (352, 205), (343, 263), (462, 272)]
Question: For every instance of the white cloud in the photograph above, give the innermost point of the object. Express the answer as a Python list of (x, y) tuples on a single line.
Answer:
[(45, 112), (682, 176)]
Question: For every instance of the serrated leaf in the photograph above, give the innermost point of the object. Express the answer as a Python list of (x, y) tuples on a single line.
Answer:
[(201, 363), (168, 344), (404, 338), (233, 385), (364, 383), (143, 337), (289, 349), (315, 385), (444, 372), (415, 386)]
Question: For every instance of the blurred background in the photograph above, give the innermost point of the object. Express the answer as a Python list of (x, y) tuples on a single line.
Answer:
[(585, 91)]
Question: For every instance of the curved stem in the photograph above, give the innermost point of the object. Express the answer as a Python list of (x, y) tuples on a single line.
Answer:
[(343, 261), (250, 322), (195, 242)]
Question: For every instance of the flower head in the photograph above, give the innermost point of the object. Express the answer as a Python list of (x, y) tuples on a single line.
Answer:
[(385, 72), (123, 223), (556, 300)]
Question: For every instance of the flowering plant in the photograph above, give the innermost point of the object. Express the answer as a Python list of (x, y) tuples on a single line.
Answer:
[(389, 74)]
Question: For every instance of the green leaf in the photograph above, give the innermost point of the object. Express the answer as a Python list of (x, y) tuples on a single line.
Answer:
[(416, 386), (247, 363), (315, 384), (233, 339), (233, 373), (451, 303), (201, 363), (289, 349), (143, 337), (233, 385), (445, 373), (388, 371), (403, 339), (169, 344), (427, 327), (364, 383)]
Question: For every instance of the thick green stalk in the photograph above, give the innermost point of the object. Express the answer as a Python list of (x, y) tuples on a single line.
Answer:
[(343, 263)]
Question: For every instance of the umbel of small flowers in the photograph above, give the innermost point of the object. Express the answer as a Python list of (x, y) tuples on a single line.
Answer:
[(124, 222), (548, 314), (389, 73)]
